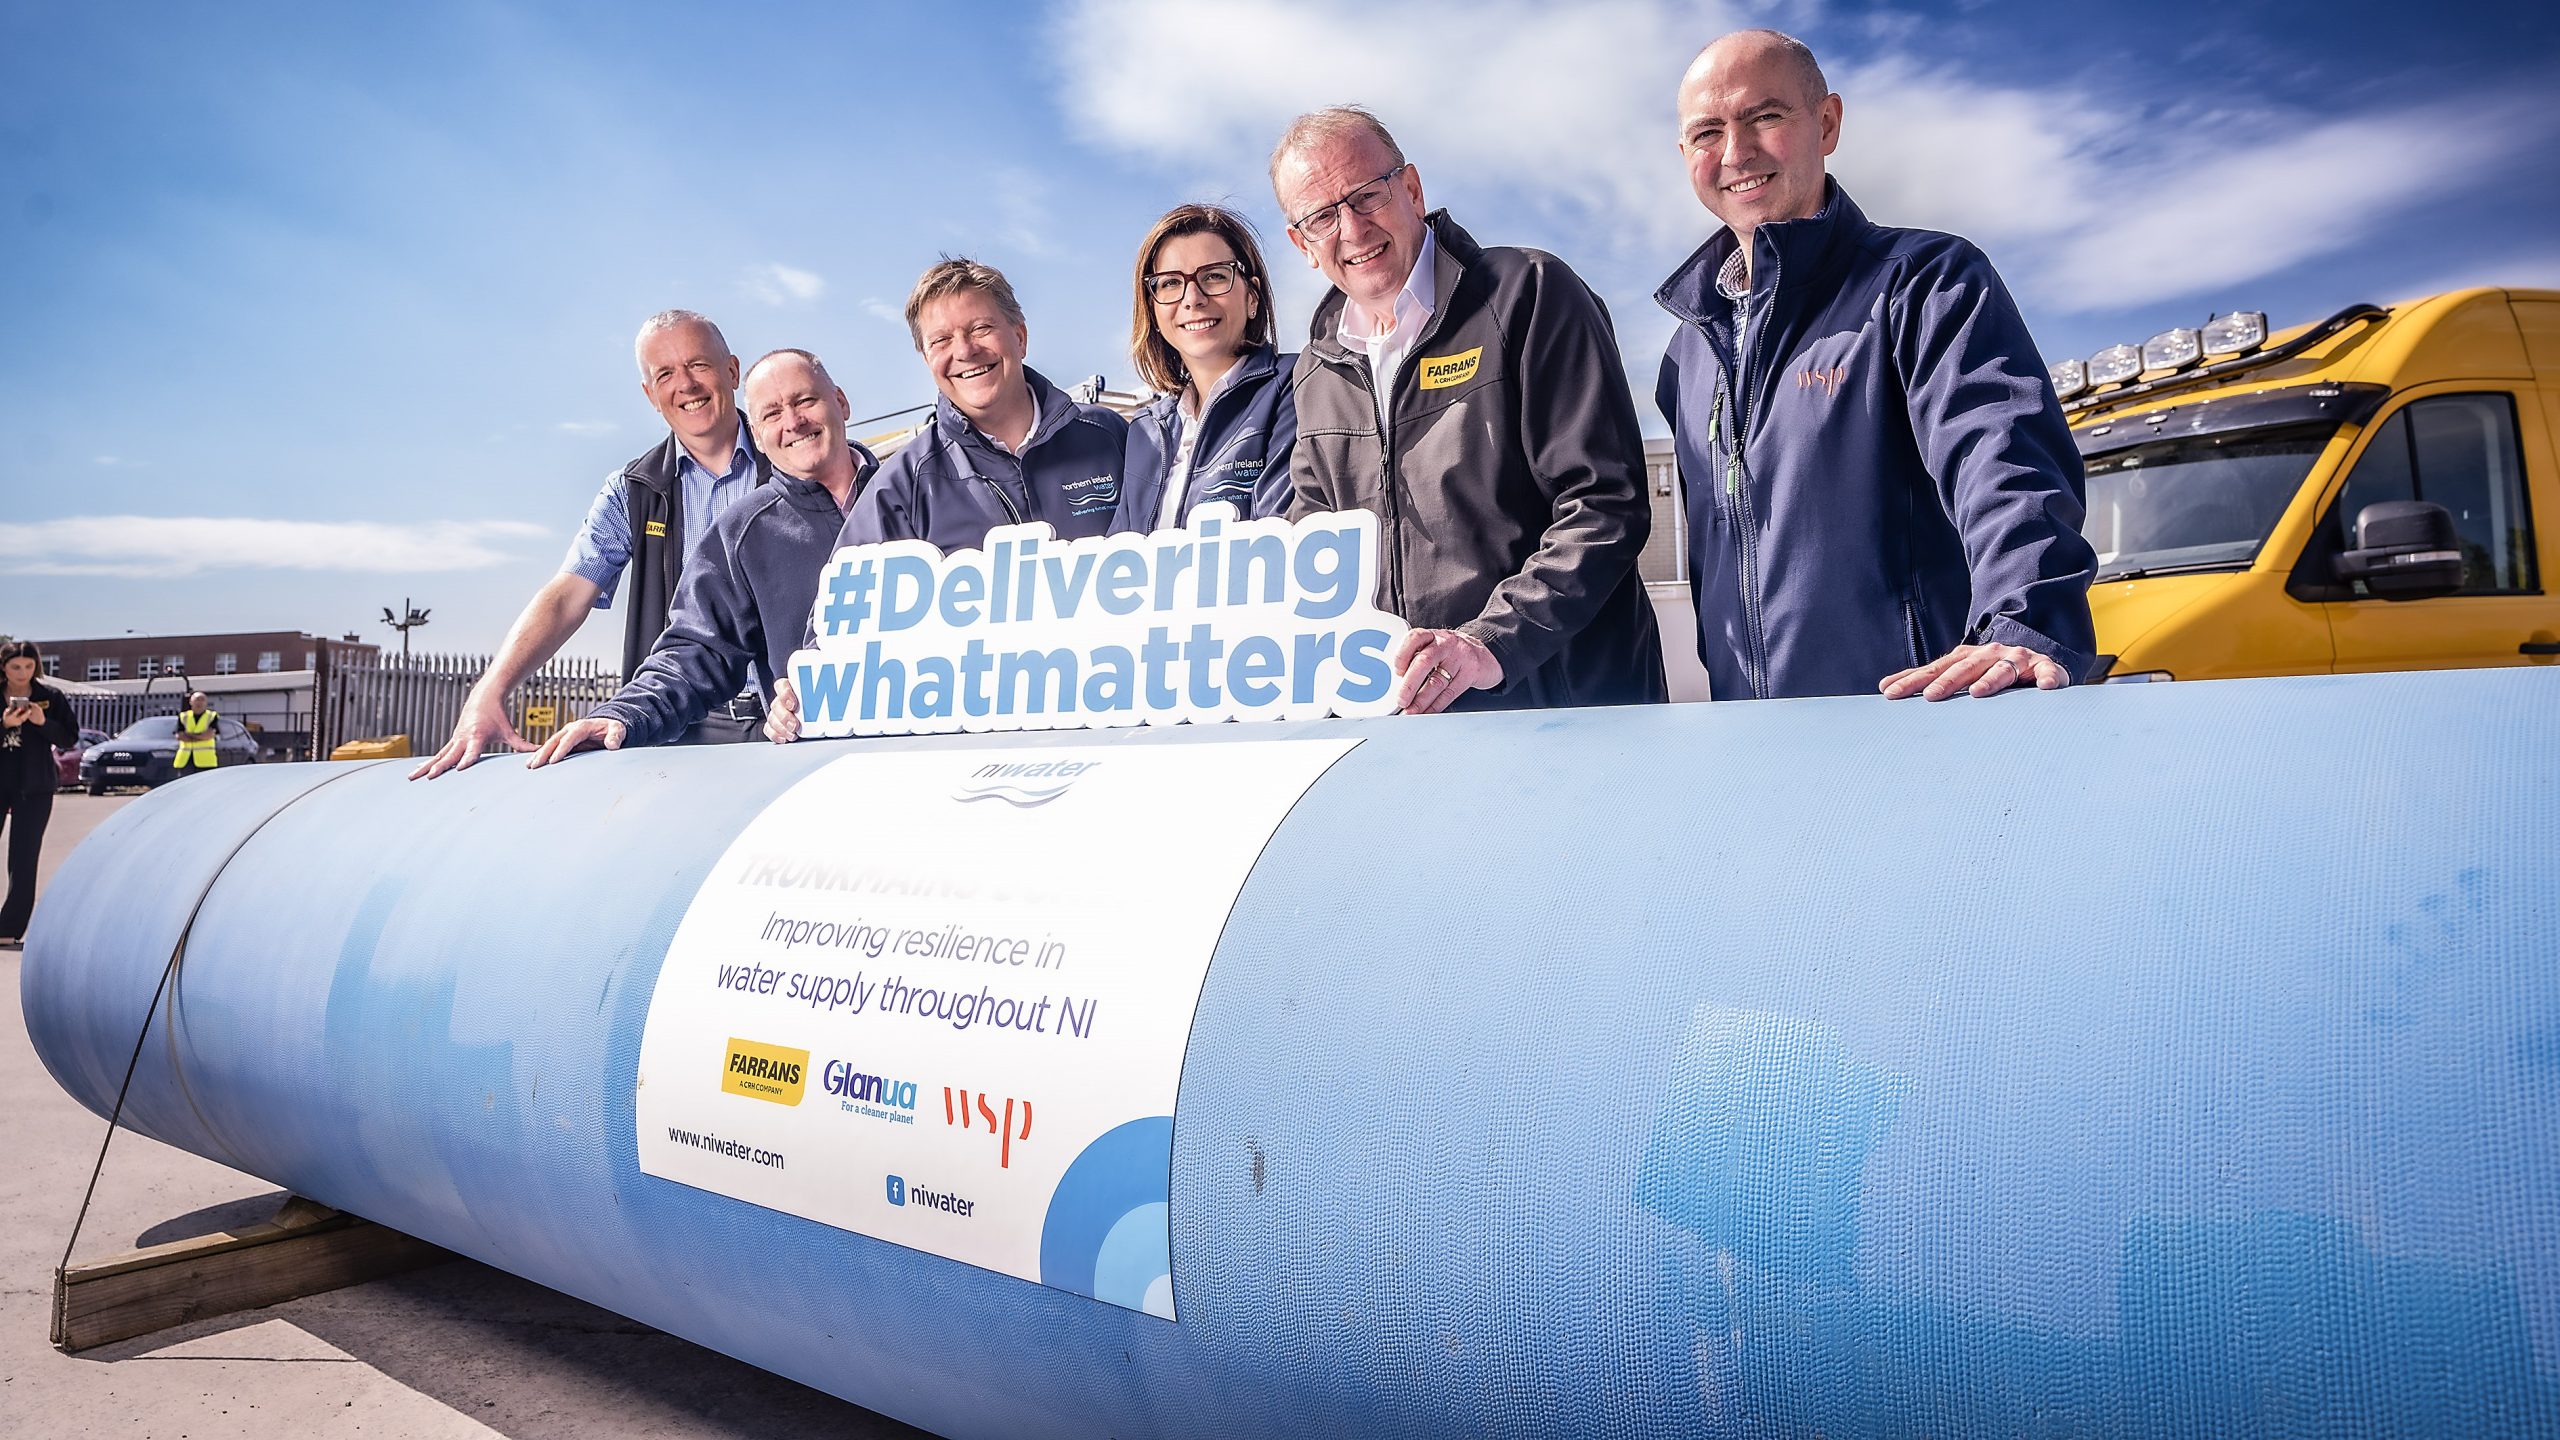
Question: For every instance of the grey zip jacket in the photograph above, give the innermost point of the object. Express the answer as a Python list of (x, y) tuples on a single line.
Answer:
[(1508, 475)]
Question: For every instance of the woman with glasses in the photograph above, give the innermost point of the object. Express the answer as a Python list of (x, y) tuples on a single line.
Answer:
[(1201, 334)]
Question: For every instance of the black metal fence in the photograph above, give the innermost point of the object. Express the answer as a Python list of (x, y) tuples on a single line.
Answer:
[(421, 696)]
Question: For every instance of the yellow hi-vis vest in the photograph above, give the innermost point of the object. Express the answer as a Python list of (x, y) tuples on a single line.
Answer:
[(195, 737)]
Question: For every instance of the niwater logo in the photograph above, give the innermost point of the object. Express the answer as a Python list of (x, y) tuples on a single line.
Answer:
[(1022, 785), (776, 1073), (1440, 372), (876, 1096), (956, 1111)]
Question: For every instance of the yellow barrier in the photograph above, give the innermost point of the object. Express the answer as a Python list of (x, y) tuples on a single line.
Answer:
[(389, 747)]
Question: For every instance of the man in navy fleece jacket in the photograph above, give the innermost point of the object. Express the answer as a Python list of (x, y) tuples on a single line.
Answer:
[(749, 585), (1882, 491)]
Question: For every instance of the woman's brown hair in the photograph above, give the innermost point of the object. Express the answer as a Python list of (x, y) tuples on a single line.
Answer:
[(1159, 364)]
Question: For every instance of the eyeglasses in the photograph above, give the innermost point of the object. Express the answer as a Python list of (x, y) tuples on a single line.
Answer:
[(1369, 199), (1165, 287)]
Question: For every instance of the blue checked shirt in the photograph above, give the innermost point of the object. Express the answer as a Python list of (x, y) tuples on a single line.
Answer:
[(603, 546)]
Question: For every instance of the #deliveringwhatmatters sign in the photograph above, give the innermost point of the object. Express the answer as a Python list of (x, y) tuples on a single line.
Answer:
[(1223, 619), (941, 998)]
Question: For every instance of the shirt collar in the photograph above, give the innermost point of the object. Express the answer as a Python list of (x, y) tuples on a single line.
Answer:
[(1733, 278), (741, 459), (1414, 303)]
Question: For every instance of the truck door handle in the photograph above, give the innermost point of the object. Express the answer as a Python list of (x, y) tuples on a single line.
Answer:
[(2539, 647)]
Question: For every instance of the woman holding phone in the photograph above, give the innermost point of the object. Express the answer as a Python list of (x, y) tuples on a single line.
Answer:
[(1201, 334), (37, 719)]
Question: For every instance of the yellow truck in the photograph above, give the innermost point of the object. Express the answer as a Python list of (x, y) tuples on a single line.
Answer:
[(2377, 491)]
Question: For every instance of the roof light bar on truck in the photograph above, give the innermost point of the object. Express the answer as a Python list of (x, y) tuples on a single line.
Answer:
[(2131, 387)]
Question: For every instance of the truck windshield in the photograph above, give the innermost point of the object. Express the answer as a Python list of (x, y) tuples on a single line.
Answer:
[(2197, 502)]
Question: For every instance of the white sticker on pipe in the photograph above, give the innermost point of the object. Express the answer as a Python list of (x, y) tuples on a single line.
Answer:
[(941, 998)]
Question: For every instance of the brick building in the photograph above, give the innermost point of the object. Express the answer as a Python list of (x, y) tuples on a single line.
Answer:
[(146, 657)]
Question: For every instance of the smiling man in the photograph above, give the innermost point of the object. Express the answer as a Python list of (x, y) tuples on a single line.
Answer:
[(1470, 396), (749, 585), (1005, 445), (644, 519), (1882, 492)]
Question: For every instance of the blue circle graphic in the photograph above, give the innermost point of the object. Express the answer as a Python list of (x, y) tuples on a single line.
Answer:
[(1107, 1233)]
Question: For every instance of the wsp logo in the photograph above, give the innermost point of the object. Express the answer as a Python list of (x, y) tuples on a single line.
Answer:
[(1828, 377), (955, 1111)]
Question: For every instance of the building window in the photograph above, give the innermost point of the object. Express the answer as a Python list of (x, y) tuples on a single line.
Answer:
[(310, 659), (174, 665), (53, 664), (270, 661), (105, 669), (226, 663), (147, 666)]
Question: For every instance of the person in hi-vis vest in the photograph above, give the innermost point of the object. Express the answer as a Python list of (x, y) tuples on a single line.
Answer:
[(195, 735)]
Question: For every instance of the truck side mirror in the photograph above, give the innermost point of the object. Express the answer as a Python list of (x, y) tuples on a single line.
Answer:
[(2405, 550)]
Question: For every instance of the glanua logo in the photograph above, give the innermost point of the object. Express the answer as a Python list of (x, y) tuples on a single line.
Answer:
[(955, 1111), (897, 1190), (1022, 786), (865, 1094), (1439, 372), (765, 1072)]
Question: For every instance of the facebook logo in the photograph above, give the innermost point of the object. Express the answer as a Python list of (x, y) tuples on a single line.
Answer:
[(897, 1190)]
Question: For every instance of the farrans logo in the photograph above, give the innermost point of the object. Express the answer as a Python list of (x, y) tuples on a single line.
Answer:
[(765, 1072), (1440, 372), (1224, 619)]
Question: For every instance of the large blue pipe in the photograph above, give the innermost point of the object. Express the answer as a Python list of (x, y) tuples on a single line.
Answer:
[(2181, 1059)]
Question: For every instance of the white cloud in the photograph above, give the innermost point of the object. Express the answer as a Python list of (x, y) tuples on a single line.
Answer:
[(587, 427), (879, 309), (2525, 269), (779, 284), (166, 547), (2086, 203)]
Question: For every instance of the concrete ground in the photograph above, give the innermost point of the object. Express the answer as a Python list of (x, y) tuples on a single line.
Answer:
[(454, 1350)]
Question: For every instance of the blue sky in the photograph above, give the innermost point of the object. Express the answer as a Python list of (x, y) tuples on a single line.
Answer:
[(315, 308)]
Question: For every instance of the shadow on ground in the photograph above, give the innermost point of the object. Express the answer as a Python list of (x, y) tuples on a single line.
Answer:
[(526, 1361)]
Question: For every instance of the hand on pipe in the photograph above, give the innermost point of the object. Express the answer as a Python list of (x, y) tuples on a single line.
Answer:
[(1434, 667)]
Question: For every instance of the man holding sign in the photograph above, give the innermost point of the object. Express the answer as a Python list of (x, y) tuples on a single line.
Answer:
[(1473, 399)]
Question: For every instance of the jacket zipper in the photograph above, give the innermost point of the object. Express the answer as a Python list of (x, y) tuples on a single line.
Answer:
[(1737, 481), (1199, 449), (1013, 513), (1387, 475)]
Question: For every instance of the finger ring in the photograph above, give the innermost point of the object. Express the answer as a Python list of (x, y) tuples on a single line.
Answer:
[(2012, 664), (1441, 673)]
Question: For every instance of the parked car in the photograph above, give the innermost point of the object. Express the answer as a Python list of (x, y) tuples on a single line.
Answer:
[(146, 754), (66, 763)]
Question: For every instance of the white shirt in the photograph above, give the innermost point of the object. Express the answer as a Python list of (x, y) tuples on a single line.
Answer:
[(1414, 305), (1186, 426)]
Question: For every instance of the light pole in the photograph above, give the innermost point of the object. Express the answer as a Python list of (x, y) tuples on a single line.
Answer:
[(405, 623)]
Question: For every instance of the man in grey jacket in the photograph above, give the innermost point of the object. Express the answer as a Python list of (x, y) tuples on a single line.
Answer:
[(1472, 397)]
